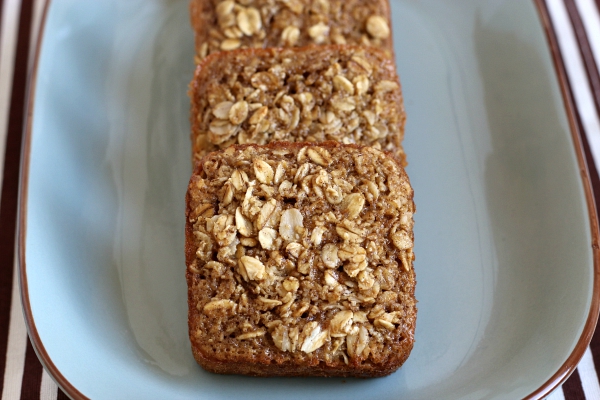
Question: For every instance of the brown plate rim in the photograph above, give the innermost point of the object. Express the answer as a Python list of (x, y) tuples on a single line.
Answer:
[(570, 364), (34, 336)]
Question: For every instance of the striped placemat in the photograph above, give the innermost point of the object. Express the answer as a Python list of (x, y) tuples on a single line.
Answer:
[(576, 24)]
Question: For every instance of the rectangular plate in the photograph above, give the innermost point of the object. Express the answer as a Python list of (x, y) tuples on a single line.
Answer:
[(504, 263)]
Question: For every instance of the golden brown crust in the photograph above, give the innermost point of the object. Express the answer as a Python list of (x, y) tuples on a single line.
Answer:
[(227, 25), (343, 93), (239, 320)]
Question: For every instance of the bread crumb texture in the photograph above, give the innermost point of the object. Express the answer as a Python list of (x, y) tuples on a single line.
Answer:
[(300, 261)]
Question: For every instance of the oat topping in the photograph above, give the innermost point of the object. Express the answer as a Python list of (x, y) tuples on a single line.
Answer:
[(378, 27), (290, 36), (342, 93), (268, 23), (273, 262)]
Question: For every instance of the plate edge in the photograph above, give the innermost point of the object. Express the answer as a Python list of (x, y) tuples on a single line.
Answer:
[(66, 386), (570, 364)]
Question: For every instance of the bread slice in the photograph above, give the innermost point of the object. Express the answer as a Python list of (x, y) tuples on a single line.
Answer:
[(343, 93), (227, 25), (300, 261)]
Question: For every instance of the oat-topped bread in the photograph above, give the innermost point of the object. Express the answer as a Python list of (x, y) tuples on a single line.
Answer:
[(300, 261), (343, 93), (227, 24)]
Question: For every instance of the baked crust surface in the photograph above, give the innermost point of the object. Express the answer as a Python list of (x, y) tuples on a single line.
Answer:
[(300, 261), (349, 94), (221, 25)]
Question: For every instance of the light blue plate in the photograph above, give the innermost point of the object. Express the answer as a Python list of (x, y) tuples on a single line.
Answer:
[(503, 237)]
